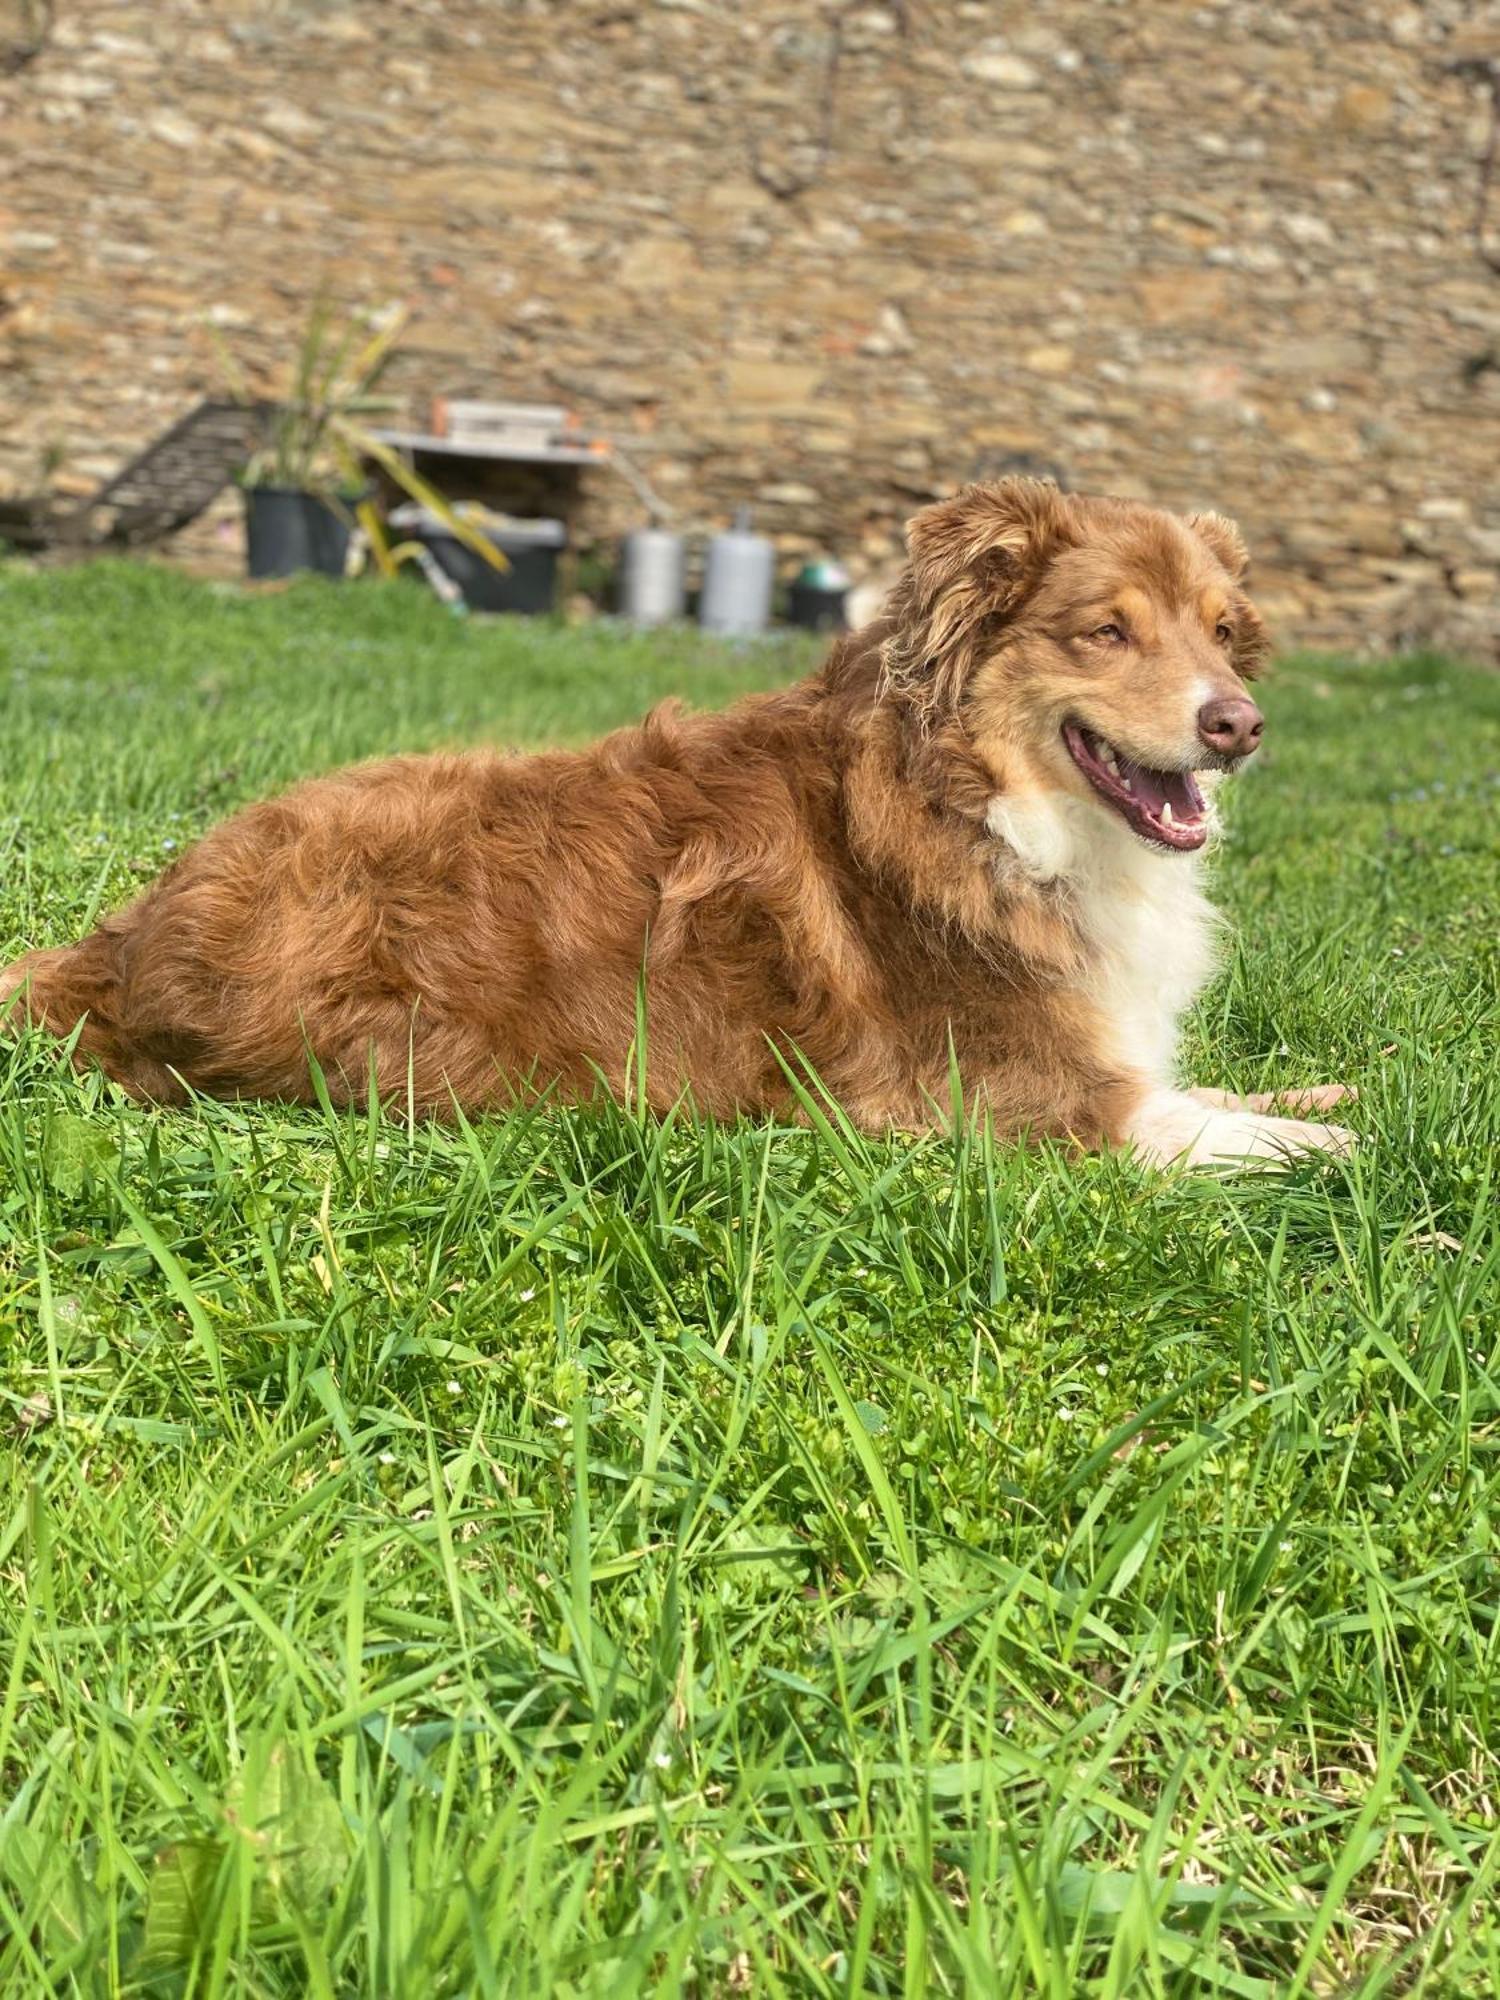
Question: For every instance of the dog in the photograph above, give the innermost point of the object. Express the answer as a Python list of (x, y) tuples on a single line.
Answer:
[(971, 842)]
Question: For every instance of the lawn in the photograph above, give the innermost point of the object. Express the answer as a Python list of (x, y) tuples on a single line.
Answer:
[(570, 1555)]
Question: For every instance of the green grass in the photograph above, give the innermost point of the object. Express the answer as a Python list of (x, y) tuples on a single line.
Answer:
[(570, 1555)]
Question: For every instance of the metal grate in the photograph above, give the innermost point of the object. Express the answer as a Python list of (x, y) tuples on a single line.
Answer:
[(159, 491), (174, 479)]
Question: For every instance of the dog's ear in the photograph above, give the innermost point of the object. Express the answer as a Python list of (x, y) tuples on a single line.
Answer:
[(1224, 542), (1252, 642), (971, 562)]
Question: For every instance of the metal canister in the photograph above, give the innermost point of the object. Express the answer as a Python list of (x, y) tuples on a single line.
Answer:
[(738, 578), (651, 577)]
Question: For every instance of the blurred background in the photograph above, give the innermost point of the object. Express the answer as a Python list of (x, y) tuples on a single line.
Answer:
[(824, 259)]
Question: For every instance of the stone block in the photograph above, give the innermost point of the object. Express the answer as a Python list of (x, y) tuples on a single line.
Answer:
[(1189, 296), (771, 385)]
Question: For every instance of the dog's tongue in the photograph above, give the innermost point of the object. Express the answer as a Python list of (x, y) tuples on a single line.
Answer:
[(1155, 789)]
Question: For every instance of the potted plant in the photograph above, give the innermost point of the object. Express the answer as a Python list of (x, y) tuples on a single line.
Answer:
[(308, 485)]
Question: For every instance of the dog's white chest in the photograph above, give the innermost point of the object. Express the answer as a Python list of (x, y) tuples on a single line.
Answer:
[(1147, 927), (1151, 935)]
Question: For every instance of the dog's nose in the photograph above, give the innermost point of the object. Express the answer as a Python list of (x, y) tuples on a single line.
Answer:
[(1231, 724)]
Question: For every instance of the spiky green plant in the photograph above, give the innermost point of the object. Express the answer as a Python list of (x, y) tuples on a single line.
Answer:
[(323, 423)]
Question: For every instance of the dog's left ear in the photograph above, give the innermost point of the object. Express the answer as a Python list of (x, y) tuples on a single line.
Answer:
[(972, 561), (1223, 541), (1226, 544)]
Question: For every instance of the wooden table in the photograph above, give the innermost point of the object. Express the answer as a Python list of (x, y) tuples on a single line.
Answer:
[(522, 480)]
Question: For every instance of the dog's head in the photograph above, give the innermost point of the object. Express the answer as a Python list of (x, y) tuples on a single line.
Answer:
[(1097, 648)]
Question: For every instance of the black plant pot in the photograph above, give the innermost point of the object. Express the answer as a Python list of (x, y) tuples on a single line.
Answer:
[(287, 530)]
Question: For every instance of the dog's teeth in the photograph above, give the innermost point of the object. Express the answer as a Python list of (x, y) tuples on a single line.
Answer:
[(1166, 813)]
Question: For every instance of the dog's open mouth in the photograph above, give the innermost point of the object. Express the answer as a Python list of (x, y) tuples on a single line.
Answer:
[(1165, 807)]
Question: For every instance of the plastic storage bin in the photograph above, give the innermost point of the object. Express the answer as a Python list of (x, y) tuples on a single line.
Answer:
[(527, 586)]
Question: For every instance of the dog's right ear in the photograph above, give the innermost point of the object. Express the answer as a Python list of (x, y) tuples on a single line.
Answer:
[(971, 562)]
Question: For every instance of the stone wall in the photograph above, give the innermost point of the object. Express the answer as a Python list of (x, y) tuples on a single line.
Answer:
[(826, 258)]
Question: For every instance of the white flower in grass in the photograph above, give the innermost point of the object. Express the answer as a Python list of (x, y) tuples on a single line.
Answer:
[(1065, 1413), (528, 1294), (455, 1388), (559, 1423), (1101, 1367)]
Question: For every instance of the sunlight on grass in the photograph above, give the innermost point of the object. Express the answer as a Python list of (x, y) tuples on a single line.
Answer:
[(562, 1554)]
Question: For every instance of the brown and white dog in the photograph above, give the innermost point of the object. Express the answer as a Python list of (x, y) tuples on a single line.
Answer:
[(975, 833)]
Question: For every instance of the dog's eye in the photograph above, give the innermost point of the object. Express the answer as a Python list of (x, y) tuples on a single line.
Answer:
[(1223, 633), (1114, 634)]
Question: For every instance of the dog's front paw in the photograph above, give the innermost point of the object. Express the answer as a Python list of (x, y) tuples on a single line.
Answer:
[(1184, 1128), (1299, 1135), (1284, 1103), (1317, 1097)]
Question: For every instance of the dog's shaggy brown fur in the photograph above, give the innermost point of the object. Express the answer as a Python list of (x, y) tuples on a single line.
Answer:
[(825, 876)]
